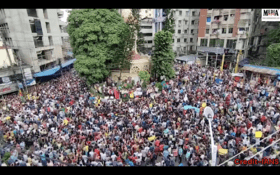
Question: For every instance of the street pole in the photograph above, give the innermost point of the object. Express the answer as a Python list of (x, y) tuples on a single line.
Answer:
[(216, 61), (23, 76), (236, 66), (206, 59), (213, 163)]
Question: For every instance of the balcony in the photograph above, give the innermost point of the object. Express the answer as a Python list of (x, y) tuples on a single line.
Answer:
[(38, 43), (217, 12), (215, 26), (60, 13), (245, 10), (209, 11), (216, 22), (225, 12), (244, 17)]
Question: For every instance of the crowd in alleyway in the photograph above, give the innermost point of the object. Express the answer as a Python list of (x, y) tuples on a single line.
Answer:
[(62, 124)]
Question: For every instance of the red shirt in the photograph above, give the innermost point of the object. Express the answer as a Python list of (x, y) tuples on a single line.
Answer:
[(263, 118), (157, 142), (249, 125), (97, 152)]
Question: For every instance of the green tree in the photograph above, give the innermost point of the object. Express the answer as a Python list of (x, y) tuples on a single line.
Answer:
[(169, 23), (144, 76), (163, 58), (96, 37), (273, 55), (137, 28), (273, 36)]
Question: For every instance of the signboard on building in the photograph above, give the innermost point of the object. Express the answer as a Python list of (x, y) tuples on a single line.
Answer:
[(28, 74), (6, 80), (8, 88), (28, 83), (270, 15)]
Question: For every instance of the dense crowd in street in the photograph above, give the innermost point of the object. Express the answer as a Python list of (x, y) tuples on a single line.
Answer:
[(62, 124)]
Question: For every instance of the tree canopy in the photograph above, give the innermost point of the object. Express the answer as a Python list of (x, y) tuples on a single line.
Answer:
[(273, 55), (163, 58), (96, 36), (169, 24)]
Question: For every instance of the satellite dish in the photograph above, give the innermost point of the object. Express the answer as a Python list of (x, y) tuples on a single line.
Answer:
[(208, 113)]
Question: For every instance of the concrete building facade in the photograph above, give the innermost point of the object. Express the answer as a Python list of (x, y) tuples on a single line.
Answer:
[(227, 28), (36, 35), (258, 38), (186, 31), (146, 26)]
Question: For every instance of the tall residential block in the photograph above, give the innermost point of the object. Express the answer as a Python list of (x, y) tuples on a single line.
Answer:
[(35, 35)]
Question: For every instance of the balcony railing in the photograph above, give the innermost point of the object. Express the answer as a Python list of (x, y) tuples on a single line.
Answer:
[(38, 43)]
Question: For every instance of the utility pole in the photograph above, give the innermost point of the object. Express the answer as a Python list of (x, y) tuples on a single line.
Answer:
[(23, 76)]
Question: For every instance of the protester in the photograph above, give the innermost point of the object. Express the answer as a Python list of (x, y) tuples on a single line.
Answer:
[(63, 124)]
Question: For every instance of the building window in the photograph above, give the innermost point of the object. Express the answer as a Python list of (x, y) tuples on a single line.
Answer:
[(191, 40), (32, 26), (150, 41), (187, 13), (208, 19), (225, 17), (186, 22), (38, 41), (45, 13), (5, 28), (146, 11), (231, 43), (50, 40), (185, 40), (48, 27), (230, 30), (241, 29), (224, 30), (232, 15), (193, 13), (191, 48), (207, 31), (178, 40), (180, 13), (32, 12), (216, 43), (2, 13), (179, 31), (146, 27), (191, 30), (203, 42), (186, 31), (179, 22), (147, 34), (216, 18), (9, 42), (192, 22)]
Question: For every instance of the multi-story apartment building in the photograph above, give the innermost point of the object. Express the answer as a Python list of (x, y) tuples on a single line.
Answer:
[(186, 31), (258, 39), (224, 29), (227, 28), (146, 26), (36, 35)]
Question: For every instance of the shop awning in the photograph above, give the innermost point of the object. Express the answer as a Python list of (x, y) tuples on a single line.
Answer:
[(68, 63), (261, 69), (54, 70), (47, 72)]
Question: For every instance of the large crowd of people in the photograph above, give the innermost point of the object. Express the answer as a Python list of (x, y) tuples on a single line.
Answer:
[(62, 124)]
